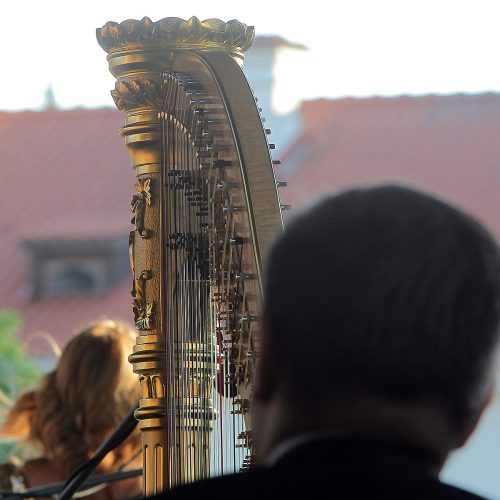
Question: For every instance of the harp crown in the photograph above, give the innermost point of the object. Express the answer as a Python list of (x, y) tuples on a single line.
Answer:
[(176, 33)]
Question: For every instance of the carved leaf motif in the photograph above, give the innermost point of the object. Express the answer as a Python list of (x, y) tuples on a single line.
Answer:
[(143, 187), (143, 311), (143, 315), (132, 93), (138, 206)]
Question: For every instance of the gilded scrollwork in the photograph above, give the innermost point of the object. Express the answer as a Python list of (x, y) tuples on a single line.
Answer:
[(131, 240), (130, 93), (143, 311), (177, 33), (138, 206)]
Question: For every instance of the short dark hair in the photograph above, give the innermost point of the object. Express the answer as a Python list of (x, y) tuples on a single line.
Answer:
[(385, 290)]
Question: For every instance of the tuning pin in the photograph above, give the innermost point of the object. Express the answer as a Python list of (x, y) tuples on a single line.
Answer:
[(201, 115), (272, 146), (221, 164), (237, 240), (205, 123), (233, 208), (205, 153), (225, 185), (267, 131), (243, 277), (281, 184), (249, 318), (285, 207), (199, 143)]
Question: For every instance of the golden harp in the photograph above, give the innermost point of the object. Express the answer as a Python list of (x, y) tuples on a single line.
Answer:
[(205, 210)]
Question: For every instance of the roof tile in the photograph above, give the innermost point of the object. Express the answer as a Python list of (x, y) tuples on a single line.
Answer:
[(65, 174)]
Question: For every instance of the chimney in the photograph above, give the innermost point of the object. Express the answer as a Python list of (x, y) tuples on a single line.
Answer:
[(49, 99), (270, 64)]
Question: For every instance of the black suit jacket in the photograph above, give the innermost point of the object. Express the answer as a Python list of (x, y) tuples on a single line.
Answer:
[(350, 469)]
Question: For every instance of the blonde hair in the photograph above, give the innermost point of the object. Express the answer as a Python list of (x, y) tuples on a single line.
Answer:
[(76, 405)]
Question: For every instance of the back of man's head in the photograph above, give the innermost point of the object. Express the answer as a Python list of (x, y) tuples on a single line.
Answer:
[(385, 291)]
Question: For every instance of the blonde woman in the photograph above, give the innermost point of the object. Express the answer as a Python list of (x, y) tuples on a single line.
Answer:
[(74, 408)]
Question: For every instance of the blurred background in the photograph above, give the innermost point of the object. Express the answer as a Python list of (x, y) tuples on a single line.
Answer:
[(353, 91)]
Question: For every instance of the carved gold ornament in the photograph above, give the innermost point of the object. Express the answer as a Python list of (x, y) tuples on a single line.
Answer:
[(138, 206), (175, 32), (143, 311), (136, 92), (131, 240)]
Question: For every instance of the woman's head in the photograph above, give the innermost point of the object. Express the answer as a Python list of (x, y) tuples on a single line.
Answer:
[(90, 391)]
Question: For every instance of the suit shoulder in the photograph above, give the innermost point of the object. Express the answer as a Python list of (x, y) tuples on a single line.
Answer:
[(247, 484), (263, 484), (449, 492)]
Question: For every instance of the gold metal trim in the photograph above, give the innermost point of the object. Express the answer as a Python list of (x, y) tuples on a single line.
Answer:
[(143, 310), (148, 169), (177, 33), (136, 92), (138, 205), (131, 240)]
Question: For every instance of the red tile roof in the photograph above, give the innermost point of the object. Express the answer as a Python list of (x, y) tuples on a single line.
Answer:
[(64, 174), (448, 144)]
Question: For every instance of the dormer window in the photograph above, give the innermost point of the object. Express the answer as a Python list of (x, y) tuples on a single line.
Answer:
[(75, 266), (73, 278)]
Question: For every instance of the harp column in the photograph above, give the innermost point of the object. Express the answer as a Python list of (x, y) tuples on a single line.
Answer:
[(137, 67), (138, 53)]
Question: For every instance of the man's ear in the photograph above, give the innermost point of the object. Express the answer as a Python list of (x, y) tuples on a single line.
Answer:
[(265, 377), (475, 421)]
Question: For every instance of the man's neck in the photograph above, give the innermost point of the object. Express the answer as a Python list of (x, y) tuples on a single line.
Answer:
[(420, 426)]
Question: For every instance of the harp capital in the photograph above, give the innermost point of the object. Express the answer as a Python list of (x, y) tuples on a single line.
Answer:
[(176, 33)]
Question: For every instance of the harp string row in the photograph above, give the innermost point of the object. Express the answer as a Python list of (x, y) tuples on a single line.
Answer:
[(207, 339)]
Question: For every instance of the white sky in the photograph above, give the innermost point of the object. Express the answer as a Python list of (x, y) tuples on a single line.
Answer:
[(356, 47)]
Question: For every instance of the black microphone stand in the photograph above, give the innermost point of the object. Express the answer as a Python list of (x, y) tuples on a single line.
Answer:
[(52, 489), (80, 474)]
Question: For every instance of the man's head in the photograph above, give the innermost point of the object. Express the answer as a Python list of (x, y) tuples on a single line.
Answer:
[(381, 294)]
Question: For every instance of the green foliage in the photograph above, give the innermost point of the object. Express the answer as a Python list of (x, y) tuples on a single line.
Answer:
[(17, 370)]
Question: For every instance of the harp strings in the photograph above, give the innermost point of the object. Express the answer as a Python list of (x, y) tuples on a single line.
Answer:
[(204, 304)]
